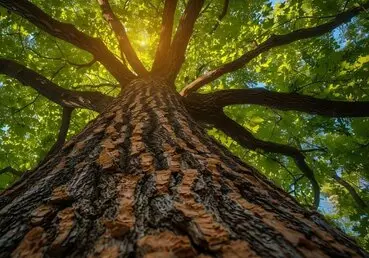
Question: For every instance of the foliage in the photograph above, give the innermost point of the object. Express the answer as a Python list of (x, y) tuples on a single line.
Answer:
[(333, 66)]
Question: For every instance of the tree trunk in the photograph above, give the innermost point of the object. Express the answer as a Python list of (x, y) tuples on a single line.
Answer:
[(145, 180)]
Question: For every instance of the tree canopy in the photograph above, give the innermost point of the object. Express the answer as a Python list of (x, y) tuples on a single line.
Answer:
[(292, 77)]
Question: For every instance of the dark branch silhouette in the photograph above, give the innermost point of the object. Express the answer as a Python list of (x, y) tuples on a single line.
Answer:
[(124, 43), (66, 98), (221, 16), (162, 50), (79, 66), (69, 33), (213, 115), (182, 37), (359, 202), (10, 170), (284, 101), (272, 42), (247, 140), (62, 135), (63, 58)]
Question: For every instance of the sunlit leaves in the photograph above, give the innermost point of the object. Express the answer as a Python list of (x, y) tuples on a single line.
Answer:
[(333, 66)]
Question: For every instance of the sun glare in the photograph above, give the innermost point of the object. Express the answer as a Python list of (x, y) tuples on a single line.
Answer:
[(143, 43)]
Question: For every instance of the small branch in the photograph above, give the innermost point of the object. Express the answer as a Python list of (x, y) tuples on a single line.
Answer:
[(247, 140), (29, 104), (66, 60), (162, 50), (285, 101), (359, 202), (10, 170), (280, 163), (121, 34), (63, 131), (66, 98), (272, 42), (63, 58), (321, 149), (69, 33), (79, 66), (182, 37), (156, 8), (221, 16), (98, 86), (295, 181)]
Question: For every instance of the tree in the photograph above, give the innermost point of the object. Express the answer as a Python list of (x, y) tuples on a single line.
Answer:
[(144, 178)]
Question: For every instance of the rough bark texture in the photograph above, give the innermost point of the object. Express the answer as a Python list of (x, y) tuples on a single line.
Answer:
[(282, 101), (144, 180)]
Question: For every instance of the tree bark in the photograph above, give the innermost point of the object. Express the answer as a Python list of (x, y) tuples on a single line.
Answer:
[(144, 180), (282, 101)]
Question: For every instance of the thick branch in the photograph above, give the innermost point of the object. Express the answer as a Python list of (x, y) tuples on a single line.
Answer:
[(120, 32), (247, 140), (162, 50), (360, 203), (221, 16), (285, 101), (67, 98), (63, 131), (182, 36), (10, 170), (219, 120), (272, 42), (69, 33)]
